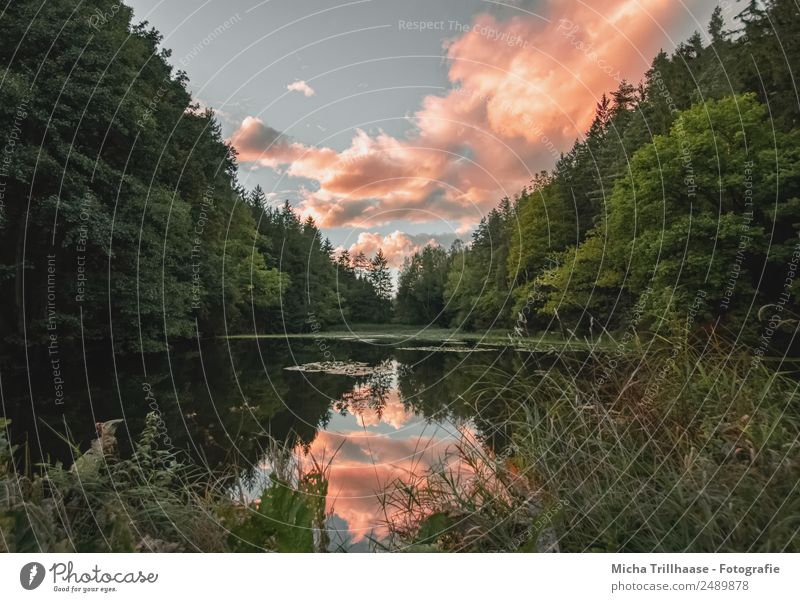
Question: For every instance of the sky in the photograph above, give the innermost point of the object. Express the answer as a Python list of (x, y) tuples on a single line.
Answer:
[(398, 124)]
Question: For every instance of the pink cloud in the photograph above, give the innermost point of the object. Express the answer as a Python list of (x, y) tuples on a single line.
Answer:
[(367, 463), (396, 246), (522, 90), (302, 87), (254, 138)]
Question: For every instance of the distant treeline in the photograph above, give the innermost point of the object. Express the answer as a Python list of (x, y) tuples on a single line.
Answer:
[(679, 209), (120, 213)]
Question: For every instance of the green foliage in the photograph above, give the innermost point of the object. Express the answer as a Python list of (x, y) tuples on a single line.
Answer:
[(421, 287), (483, 505), (381, 281), (122, 185), (283, 519), (317, 288), (152, 501), (685, 187), (693, 208), (477, 292)]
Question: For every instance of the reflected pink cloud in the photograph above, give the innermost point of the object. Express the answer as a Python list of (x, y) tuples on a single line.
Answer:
[(366, 463)]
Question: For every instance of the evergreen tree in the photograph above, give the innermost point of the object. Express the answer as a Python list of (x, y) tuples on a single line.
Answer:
[(381, 279)]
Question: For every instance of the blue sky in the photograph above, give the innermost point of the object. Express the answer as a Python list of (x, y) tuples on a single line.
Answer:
[(379, 85)]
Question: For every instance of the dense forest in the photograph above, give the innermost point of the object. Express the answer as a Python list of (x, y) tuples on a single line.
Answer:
[(678, 201), (121, 206), (121, 214)]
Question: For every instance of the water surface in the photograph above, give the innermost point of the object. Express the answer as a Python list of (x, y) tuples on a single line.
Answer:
[(376, 410)]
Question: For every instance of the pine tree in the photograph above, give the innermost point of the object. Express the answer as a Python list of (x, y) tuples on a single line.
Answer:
[(343, 262), (361, 264), (257, 199), (716, 26), (380, 277)]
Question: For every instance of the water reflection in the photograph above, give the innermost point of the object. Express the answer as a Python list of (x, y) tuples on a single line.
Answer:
[(224, 402), (378, 437)]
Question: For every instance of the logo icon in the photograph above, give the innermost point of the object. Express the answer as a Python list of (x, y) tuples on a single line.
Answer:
[(31, 575)]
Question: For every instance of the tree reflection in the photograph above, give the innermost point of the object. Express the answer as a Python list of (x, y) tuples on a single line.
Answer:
[(370, 394)]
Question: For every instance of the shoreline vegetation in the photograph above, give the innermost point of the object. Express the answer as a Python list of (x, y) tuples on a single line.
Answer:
[(155, 500), (663, 247)]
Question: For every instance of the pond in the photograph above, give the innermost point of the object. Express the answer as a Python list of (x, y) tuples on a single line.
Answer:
[(375, 410)]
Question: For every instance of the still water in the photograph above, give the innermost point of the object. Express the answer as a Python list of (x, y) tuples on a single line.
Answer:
[(375, 410)]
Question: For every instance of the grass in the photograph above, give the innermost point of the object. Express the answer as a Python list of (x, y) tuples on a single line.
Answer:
[(152, 501), (674, 449), (473, 501)]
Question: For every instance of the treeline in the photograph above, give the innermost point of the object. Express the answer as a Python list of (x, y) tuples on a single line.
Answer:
[(120, 213), (680, 208), (325, 286)]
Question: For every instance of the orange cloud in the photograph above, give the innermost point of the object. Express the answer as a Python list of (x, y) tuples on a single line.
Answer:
[(253, 139), (536, 79), (522, 90)]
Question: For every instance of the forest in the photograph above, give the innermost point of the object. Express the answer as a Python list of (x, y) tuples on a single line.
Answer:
[(678, 203), (121, 205)]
